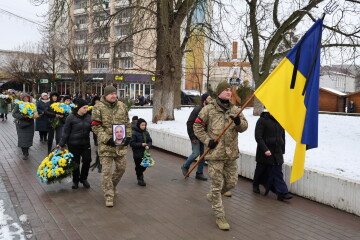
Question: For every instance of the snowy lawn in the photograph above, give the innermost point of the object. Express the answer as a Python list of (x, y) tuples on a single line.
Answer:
[(336, 153)]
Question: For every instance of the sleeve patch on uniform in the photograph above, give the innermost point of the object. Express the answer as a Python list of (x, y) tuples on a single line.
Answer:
[(96, 123)]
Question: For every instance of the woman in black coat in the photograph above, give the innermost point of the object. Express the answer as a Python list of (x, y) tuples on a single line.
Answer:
[(140, 140), (270, 138), (77, 137), (24, 127), (42, 124)]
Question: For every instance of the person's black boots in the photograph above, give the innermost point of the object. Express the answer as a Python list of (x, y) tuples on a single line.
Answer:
[(284, 196), (256, 189), (25, 152), (200, 176), (85, 183), (141, 181), (75, 185)]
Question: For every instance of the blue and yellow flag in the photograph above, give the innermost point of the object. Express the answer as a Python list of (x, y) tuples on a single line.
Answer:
[(291, 95)]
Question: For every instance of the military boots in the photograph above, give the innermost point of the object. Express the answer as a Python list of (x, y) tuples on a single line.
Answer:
[(109, 202), (222, 223)]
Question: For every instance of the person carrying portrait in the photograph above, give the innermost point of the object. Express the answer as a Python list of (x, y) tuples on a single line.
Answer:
[(108, 112)]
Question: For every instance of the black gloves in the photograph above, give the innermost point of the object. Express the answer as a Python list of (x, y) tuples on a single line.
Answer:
[(212, 144), (110, 143), (127, 141), (236, 120)]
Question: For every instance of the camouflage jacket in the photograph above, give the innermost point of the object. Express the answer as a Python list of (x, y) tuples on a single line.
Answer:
[(211, 120), (104, 115)]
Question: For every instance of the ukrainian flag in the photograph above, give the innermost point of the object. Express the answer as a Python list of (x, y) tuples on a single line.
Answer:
[(291, 95)]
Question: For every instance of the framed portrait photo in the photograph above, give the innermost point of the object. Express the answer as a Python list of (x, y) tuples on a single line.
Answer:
[(119, 133)]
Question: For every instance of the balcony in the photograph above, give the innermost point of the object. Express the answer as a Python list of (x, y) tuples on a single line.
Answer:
[(82, 41), (101, 56), (122, 21), (79, 11), (124, 54), (122, 3)]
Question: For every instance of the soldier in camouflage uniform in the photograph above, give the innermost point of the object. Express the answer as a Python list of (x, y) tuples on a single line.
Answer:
[(107, 112), (222, 166)]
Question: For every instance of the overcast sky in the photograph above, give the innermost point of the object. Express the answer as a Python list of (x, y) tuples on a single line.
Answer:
[(15, 31)]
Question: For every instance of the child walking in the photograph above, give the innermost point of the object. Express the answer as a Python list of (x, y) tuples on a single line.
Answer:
[(140, 140)]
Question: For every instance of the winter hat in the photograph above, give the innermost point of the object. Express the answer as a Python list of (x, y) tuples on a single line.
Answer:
[(44, 94), (109, 89), (140, 121), (24, 95), (80, 103), (54, 93), (135, 118), (94, 99), (221, 87), (204, 97)]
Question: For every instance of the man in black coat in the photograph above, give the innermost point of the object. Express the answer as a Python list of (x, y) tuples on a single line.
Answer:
[(270, 138), (196, 145)]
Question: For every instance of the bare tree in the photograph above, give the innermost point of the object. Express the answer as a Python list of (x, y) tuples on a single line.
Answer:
[(270, 28), (26, 65)]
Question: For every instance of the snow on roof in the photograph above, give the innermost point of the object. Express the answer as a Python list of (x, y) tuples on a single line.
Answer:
[(334, 91), (191, 92)]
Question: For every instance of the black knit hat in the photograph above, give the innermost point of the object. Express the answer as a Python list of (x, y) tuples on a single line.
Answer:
[(80, 103), (135, 118), (141, 120), (204, 97)]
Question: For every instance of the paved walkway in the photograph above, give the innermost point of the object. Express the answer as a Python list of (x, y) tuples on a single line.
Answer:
[(169, 207)]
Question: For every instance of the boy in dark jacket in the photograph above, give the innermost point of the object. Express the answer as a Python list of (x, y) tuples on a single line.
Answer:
[(140, 140)]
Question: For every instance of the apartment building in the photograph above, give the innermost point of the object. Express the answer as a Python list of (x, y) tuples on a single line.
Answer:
[(100, 33)]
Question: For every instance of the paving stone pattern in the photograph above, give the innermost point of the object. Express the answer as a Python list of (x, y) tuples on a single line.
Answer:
[(169, 207)]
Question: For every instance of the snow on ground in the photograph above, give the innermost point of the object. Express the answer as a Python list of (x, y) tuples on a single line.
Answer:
[(8, 228), (336, 154)]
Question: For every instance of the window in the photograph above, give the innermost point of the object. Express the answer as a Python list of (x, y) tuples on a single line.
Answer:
[(126, 63), (340, 82), (78, 4), (122, 30), (101, 49), (100, 64)]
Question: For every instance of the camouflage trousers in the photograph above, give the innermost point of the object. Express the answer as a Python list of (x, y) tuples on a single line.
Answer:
[(111, 179), (224, 176)]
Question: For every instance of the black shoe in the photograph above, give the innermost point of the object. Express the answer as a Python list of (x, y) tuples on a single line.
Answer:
[(25, 156), (85, 183), (256, 189), (201, 177), (75, 186), (184, 170), (141, 182), (282, 197)]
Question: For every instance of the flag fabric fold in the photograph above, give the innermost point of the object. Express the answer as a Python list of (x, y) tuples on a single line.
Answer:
[(291, 95)]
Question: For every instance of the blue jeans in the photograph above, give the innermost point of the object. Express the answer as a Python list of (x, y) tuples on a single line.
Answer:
[(197, 150)]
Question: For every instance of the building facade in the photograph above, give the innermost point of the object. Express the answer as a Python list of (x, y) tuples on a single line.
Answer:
[(100, 36)]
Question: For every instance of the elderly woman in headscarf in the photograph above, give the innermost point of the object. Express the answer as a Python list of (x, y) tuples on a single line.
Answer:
[(24, 127), (42, 124)]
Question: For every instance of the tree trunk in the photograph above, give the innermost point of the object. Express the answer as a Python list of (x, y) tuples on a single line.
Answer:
[(168, 67)]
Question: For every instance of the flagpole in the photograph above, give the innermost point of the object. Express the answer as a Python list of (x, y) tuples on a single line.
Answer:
[(218, 137)]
